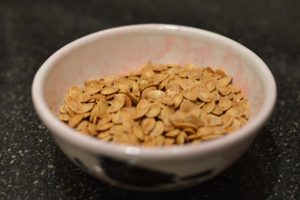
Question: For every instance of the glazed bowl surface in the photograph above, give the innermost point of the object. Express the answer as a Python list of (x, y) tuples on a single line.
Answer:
[(122, 49)]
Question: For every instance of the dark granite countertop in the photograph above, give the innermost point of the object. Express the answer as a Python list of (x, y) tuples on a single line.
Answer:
[(32, 166)]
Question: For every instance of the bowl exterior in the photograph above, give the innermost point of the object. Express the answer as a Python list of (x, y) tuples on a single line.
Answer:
[(157, 169), (151, 175)]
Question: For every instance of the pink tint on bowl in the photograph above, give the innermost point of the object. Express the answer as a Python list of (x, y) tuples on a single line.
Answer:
[(53, 95), (169, 42), (198, 53), (234, 61)]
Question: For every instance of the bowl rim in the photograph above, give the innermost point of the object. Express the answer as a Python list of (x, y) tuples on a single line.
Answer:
[(61, 130)]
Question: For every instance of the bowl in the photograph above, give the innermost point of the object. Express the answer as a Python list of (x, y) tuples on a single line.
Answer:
[(118, 50)]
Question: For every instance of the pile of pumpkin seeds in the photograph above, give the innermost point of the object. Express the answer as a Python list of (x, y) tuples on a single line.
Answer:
[(160, 105)]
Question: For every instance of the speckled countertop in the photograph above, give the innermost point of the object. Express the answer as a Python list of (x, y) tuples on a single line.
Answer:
[(32, 166)]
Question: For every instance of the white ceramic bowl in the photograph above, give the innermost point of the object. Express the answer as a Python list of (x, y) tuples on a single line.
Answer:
[(117, 50)]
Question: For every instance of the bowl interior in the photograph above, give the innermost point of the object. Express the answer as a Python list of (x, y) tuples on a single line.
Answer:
[(120, 50)]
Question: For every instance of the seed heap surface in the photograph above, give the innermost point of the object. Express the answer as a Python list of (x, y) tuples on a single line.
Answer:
[(160, 105)]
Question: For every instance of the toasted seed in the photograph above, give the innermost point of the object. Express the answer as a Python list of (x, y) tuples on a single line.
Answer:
[(165, 113), (93, 89), (104, 127), (154, 111), (216, 96), (103, 134), (146, 91), (158, 129), (141, 109), (89, 83), (107, 138), (109, 90), (234, 88), (240, 96), (225, 103), (74, 91), (63, 109), (217, 110), (218, 130), (83, 97), (163, 84), (98, 97), (157, 67), (193, 119), (92, 128), (94, 113), (190, 131), (118, 103), (117, 118), (224, 81), (82, 126), (138, 132), (190, 95), (73, 103), (64, 117), (133, 140), (155, 94), (210, 137), (128, 102), (186, 84), (210, 85), (168, 101), (180, 138), (86, 107), (242, 120), (102, 108), (126, 113), (147, 125), (159, 140), (173, 90), (196, 141), (134, 99), (169, 141), (220, 72), (205, 96), (143, 83), (74, 120), (204, 131), (209, 107), (193, 137), (236, 124), (175, 118), (149, 142), (227, 120), (116, 129), (177, 100), (224, 90), (135, 88), (214, 120), (124, 88), (168, 126), (105, 119), (85, 115), (128, 125), (234, 112), (197, 111), (159, 78), (109, 97), (173, 133), (187, 106), (147, 73), (184, 125)]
